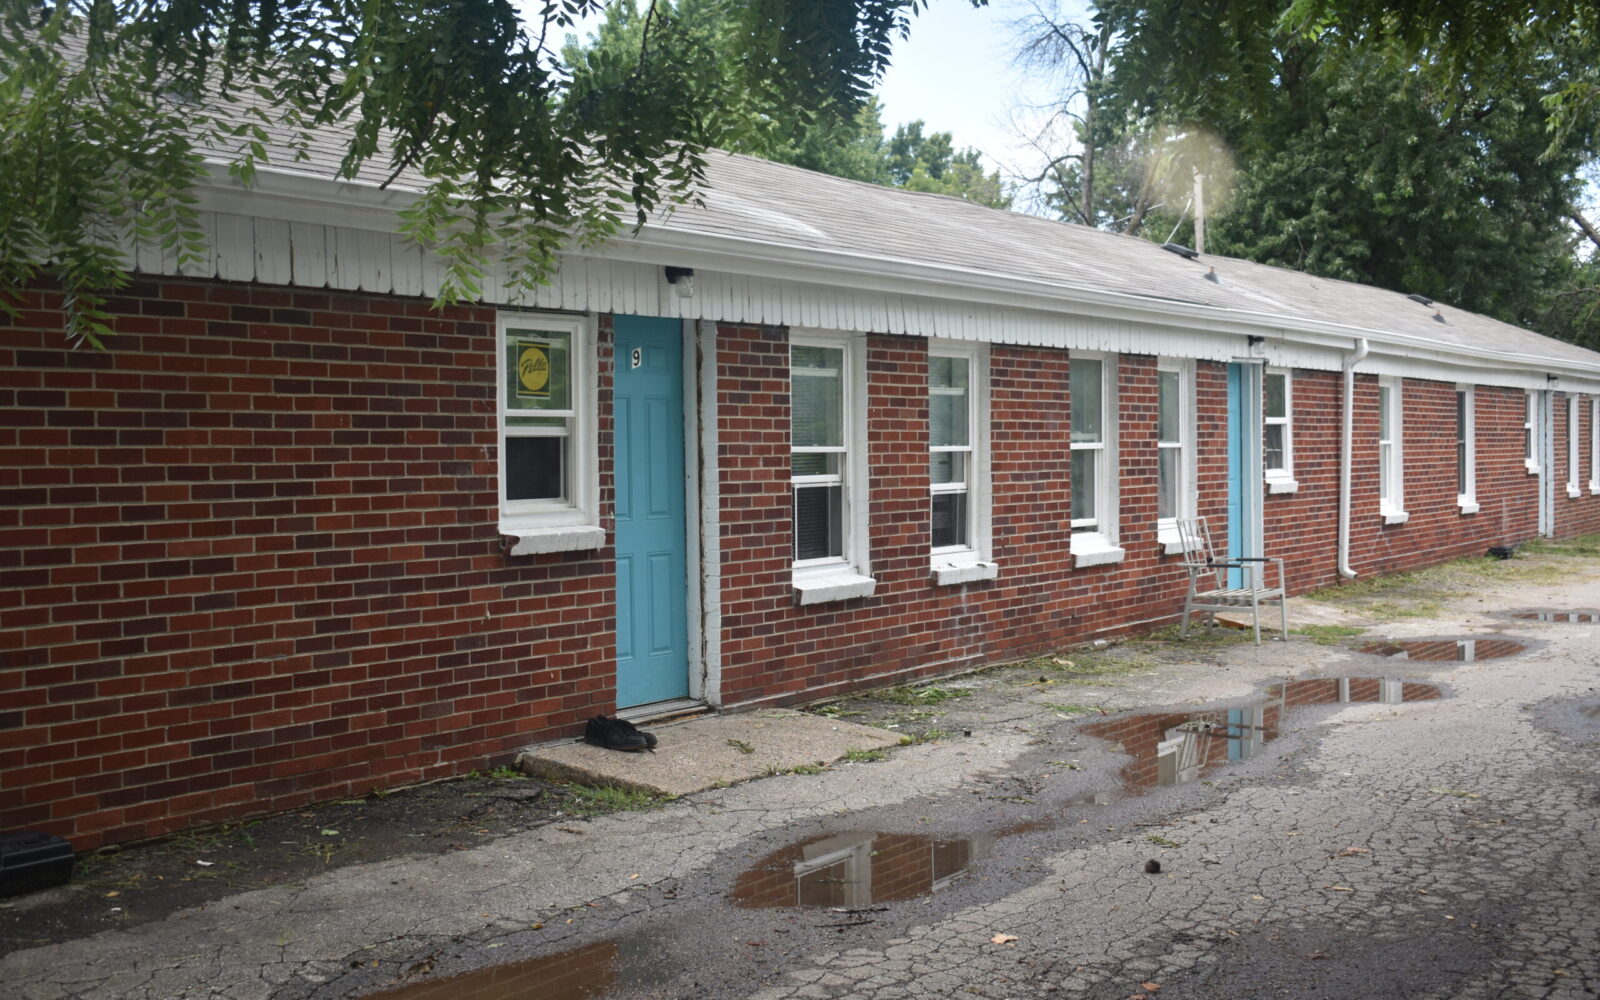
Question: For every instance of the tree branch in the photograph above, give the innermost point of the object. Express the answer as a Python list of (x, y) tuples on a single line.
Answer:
[(1583, 224)]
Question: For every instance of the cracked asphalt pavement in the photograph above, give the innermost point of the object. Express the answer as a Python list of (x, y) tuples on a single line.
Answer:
[(1437, 848)]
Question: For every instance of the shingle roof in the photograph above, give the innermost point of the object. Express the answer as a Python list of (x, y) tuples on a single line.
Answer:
[(786, 206)]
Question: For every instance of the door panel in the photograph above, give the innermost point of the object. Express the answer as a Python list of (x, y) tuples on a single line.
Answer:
[(652, 583), (1244, 465)]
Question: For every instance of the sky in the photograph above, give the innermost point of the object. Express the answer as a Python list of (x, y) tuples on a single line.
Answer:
[(955, 73)]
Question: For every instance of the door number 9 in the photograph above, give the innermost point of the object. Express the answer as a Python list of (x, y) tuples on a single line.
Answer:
[(638, 356)]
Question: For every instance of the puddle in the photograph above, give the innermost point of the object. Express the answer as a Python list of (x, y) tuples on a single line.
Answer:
[(857, 869), (1443, 650), (1574, 617), (1592, 711), (1176, 748), (578, 974)]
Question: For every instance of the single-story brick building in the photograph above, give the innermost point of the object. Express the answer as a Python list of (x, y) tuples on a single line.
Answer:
[(298, 535)]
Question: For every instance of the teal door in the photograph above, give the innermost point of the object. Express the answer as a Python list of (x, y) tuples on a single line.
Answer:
[(1244, 464), (652, 582)]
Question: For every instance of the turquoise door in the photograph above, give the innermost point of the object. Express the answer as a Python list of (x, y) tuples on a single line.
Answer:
[(652, 582), (1244, 459)]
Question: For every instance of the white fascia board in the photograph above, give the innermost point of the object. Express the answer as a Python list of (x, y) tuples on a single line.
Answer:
[(295, 196)]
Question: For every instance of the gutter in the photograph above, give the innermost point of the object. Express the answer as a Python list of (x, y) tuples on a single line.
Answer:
[(1346, 456)]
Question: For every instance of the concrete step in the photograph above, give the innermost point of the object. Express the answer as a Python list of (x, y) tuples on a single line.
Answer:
[(708, 751)]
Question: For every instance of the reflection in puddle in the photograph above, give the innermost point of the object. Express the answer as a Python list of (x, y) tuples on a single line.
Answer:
[(856, 869), (1576, 617), (1444, 650), (580, 974), (1592, 711), (1176, 748)]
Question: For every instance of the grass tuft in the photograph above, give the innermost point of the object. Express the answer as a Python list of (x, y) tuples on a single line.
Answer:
[(597, 800)]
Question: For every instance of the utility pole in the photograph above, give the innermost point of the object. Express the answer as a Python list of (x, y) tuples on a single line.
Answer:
[(1199, 212)]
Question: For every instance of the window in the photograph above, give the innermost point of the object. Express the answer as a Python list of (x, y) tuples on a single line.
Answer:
[(547, 462), (1594, 445), (1277, 432), (826, 394), (1391, 489), (1093, 441), (1466, 452), (957, 467), (1174, 450), (1572, 447), (1530, 429)]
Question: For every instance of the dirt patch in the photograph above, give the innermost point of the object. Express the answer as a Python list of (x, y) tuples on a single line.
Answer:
[(139, 884), (1071, 684)]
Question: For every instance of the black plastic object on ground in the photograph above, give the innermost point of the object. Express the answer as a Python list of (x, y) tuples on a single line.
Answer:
[(30, 861), (617, 734)]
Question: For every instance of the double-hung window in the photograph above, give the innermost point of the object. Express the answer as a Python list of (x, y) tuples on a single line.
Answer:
[(547, 466), (826, 478), (1277, 432), (1466, 451), (957, 464), (1391, 479), (1093, 443), (1594, 445), (1573, 490), (1174, 450), (1530, 431)]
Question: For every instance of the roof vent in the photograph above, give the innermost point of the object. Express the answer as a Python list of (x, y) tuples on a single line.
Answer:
[(1180, 250), (1420, 299), (1211, 276), (1438, 317)]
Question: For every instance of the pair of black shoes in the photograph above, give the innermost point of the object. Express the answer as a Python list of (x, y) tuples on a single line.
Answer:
[(617, 734)]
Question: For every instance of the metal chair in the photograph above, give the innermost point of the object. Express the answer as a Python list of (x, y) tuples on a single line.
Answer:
[(1209, 588)]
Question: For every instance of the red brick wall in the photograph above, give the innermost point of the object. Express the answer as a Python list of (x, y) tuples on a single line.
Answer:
[(776, 650), (249, 559), (1302, 527)]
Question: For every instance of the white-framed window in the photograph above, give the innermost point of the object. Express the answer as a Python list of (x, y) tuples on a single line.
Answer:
[(548, 464), (1391, 462), (1175, 466), (1530, 431), (958, 469), (1594, 445), (827, 466), (1277, 431), (1573, 489), (1092, 381), (1466, 450)]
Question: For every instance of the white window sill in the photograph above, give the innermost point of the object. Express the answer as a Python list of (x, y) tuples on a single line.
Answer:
[(1573, 491), (1392, 516), (1282, 484), (947, 573), (841, 585), (1594, 489), (1171, 542), (561, 538), (1468, 505), (1531, 466), (1094, 549)]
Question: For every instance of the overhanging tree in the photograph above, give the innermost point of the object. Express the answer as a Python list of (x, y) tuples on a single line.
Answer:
[(105, 106)]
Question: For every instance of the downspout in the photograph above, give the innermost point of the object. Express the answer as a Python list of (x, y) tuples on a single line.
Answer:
[(1346, 458)]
